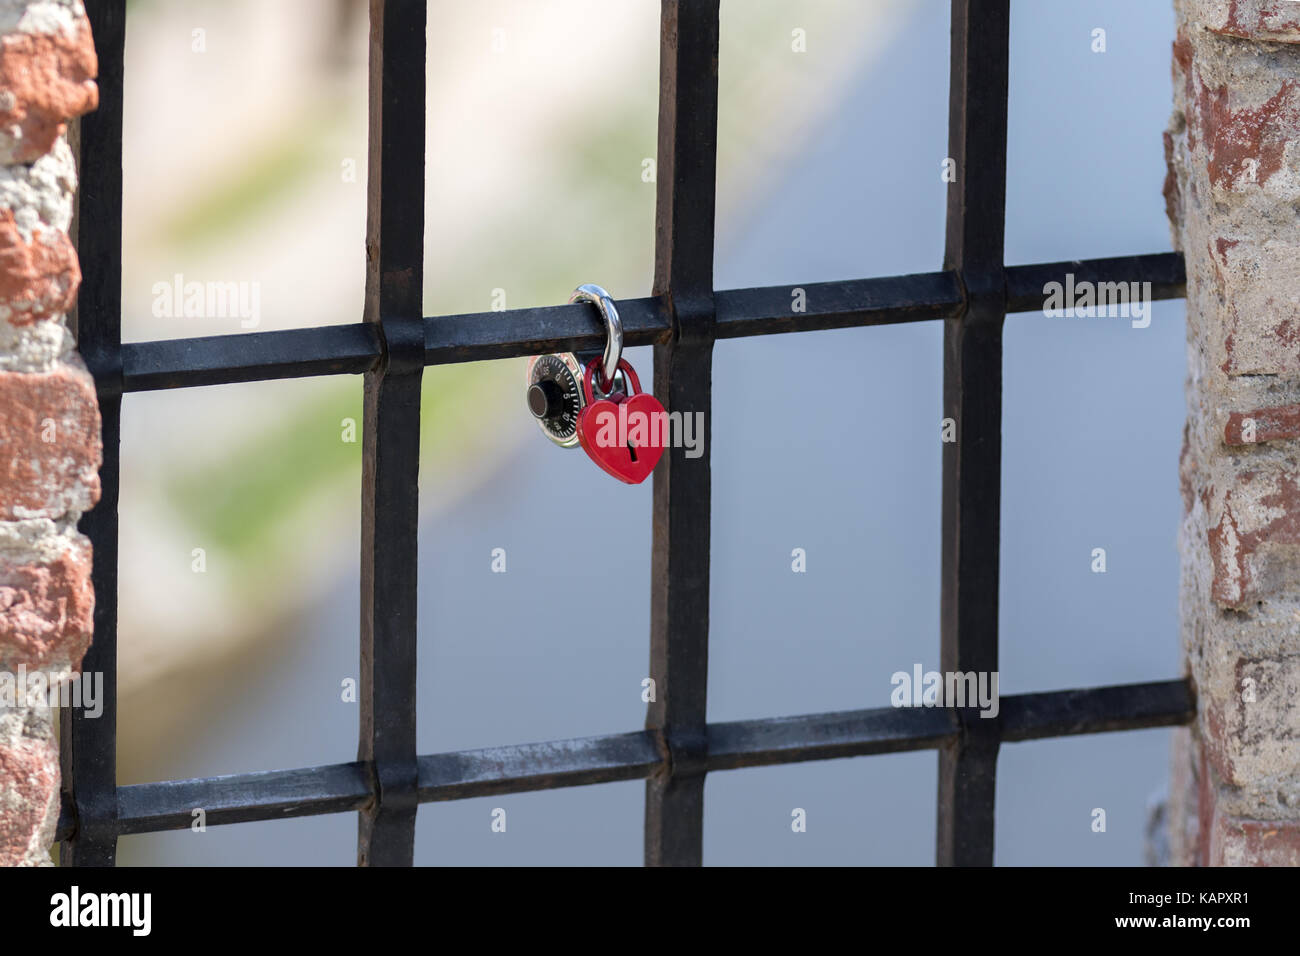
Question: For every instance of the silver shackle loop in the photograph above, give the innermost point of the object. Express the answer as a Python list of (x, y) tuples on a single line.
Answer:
[(613, 329)]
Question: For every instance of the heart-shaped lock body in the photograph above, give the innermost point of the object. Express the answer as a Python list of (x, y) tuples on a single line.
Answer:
[(624, 434)]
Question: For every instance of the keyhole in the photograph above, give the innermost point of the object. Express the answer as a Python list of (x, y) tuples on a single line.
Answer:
[(631, 449)]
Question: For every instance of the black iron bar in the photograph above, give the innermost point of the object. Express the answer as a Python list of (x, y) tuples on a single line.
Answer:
[(683, 376), (479, 336), (390, 499), (88, 746), (246, 797), (251, 357), (1164, 270), (554, 764), (972, 398)]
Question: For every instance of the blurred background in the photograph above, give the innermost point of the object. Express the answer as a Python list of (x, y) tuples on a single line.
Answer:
[(245, 162)]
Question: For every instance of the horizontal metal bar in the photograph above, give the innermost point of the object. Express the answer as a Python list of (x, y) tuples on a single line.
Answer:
[(853, 733), (479, 336), (243, 797), (1165, 271), (250, 357), (1097, 710), (338, 788), (546, 766), (837, 305)]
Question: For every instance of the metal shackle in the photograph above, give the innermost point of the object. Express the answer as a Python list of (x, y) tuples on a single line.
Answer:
[(594, 294)]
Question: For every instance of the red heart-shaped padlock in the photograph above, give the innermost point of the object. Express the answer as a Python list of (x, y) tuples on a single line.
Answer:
[(624, 434)]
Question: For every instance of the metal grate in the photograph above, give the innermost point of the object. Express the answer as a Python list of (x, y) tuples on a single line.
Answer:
[(682, 320)]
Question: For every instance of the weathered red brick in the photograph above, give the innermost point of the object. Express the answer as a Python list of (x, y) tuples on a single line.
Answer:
[(38, 279), (1250, 719), (1183, 53), (1277, 21), (47, 610), (40, 478), (1186, 471), (1237, 842), (45, 80), (1173, 195), (1271, 424), (1245, 140), (1255, 541), (1238, 134), (1204, 810), (1261, 324), (29, 785), (1217, 745), (1228, 840)]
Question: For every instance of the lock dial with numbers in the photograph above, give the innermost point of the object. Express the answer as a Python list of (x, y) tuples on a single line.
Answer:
[(555, 395)]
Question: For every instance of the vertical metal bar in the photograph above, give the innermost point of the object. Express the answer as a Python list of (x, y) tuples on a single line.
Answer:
[(391, 444), (88, 747), (679, 597), (972, 396)]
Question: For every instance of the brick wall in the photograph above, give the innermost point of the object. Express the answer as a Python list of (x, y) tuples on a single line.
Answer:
[(1234, 200), (49, 418)]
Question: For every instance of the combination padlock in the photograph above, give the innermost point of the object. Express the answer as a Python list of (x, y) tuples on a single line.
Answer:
[(564, 388), (555, 392)]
